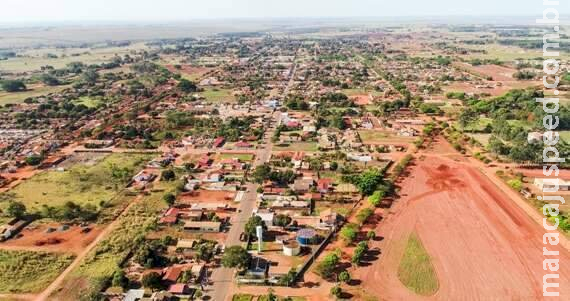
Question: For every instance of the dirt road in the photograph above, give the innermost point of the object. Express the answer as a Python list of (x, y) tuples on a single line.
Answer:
[(77, 261)]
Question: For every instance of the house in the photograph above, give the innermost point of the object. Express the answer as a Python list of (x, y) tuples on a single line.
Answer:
[(266, 216), (359, 157), (185, 244), (170, 217), (324, 185), (243, 144), (258, 267), (218, 142), (297, 159), (134, 295), (534, 137), (204, 162), (210, 227), (172, 273), (552, 185), (407, 132), (180, 289), (302, 185)]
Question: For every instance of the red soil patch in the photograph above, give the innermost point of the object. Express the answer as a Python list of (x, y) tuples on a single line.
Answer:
[(36, 239), (361, 100), (205, 196), (483, 246)]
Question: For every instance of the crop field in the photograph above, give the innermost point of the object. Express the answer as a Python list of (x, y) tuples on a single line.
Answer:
[(29, 272), (81, 183), (33, 91)]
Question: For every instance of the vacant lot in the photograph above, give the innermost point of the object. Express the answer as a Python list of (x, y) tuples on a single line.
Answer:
[(379, 137), (103, 261), (416, 271), (218, 95), (29, 272), (240, 156), (81, 183), (296, 146), (475, 234)]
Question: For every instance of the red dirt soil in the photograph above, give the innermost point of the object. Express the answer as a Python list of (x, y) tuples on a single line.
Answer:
[(35, 239), (482, 245)]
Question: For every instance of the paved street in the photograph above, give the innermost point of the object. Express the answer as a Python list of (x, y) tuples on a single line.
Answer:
[(224, 277)]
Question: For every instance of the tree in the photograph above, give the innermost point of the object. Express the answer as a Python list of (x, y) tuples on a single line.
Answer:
[(376, 198), (13, 85), (371, 235), (261, 173), (49, 80), (252, 224), (90, 76), (33, 160), (334, 166), (364, 214), (368, 181), (187, 86), (16, 209), (336, 291), (282, 220), (119, 279), (168, 175), (169, 199), (327, 266), (344, 276), (152, 280), (348, 233), (236, 257)]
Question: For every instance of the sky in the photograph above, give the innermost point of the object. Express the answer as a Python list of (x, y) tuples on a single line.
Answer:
[(37, 11)]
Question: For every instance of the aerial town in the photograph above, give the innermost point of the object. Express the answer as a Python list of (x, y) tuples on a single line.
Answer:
[(308, 163)]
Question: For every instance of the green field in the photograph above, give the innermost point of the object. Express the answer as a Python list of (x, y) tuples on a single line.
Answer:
[(217, 95), (82, 183), (33, 91), (90, 102), (30, 272), (416, 271), (34, 59), (241, 157)]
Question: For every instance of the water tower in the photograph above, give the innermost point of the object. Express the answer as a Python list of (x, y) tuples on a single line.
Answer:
[(259, 232)]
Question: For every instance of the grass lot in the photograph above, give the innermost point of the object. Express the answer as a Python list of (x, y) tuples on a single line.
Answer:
[(90, 102), (218, 95), (29, 272), (81, 183), (33, 91), (101, 263), (297, 146), (375, 136), (482, 138), (242, 297), (247, 297), (416, 270), (565, 136), (360, 91), (242, 157)]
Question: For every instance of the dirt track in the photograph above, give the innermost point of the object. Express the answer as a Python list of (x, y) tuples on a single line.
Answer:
[(482, 244)]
